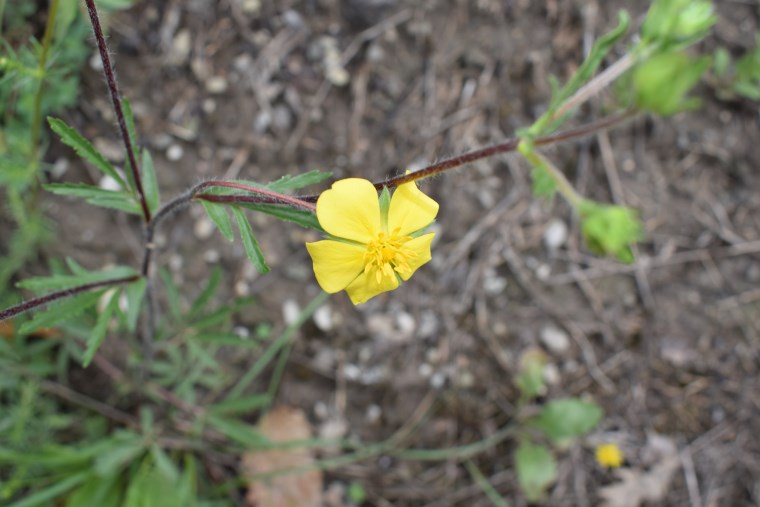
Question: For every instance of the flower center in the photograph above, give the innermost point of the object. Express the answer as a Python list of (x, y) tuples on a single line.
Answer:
[(387, 254)]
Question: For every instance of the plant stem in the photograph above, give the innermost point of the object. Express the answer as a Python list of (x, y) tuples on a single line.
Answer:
[(54, 296), (116, 100), (273, 196), (47, 40)]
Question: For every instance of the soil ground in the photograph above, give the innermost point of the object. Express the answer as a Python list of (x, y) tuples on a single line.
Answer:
[(670, 347)]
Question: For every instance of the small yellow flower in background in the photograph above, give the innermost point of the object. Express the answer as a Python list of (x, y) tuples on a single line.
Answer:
[(609, 456), (372, 241)]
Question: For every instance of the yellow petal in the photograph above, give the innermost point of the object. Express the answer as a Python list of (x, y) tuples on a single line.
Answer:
[(350, 210), (410, 209), (421, 247), (336, 264), (366, 287)]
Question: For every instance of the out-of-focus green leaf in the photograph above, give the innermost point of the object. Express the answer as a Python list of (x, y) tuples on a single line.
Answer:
[(60, 311), (101, 328), (536, 469), (122, 201), (567, 418)]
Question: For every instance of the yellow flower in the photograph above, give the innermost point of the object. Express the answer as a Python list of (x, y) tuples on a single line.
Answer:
[(609, 456), (372, 242)]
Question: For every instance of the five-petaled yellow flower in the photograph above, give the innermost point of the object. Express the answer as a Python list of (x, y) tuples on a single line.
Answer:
[(372, 242), (609, 456)]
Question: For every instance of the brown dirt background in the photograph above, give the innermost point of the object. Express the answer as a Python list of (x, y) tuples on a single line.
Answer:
[(669, 346)]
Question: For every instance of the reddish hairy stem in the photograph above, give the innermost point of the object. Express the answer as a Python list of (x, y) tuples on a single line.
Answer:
[(116, 100), (273, 197), (54, 296)]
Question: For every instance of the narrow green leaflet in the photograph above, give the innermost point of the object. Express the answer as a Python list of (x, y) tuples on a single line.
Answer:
[(164, 463), (299, 217), (57, 282), (97, 490), (567, 418), (536, 469), (135, 293), (47, 495), (252, 249), (101, 328), (242, 405), (172, 294), (123, 201), (84, 149), (238, 431), (208, 292), (150, 183), (298, 181), (60, 311), (115, 459), (218, 214), (132, 133)]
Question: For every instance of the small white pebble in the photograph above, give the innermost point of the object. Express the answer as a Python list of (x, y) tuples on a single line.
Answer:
[(216, 85), (242, 289), (554, 339), (321, 410), (290, 311), (551, 374), (335, 427), (211, 256), (203, 228), (351, 371), (242, 331), (465, 379), (405, 323), (108, 183), (176, 262), (437, 380), (494, 284), (374, 412), (555, 234), (425, 370), (174, 152), (543, 271), (323, 318)]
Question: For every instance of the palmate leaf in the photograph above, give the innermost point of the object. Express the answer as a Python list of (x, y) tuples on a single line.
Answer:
[(218, 214), (123, 201), (84, 149), (251, 246)]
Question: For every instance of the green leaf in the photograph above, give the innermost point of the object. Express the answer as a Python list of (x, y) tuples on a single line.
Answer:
[(544, 185), (101, 328), (113, 461), (677, 23), (150, 183), (97, 490), (251, 246), (135, 293), (530, 378), (218, 214), (57, 282), (172, 294), (299, 217), (240, 405), (132, 133), (164, 463), (208, 292), (567, 418), (662, 82), (46, 496), (238, 431), (123, 201), (84, 149), (610, 230), (536, 469), (298, 181), (59, 311)]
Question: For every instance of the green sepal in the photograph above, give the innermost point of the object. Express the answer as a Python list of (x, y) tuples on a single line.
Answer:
[(610, 230), (385, 204)]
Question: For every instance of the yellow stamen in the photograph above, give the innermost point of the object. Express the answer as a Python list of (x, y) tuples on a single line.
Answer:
[(387, 254)]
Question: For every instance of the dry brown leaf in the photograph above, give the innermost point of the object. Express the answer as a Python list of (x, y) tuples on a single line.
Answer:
[(283, 424), (637, 486)]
